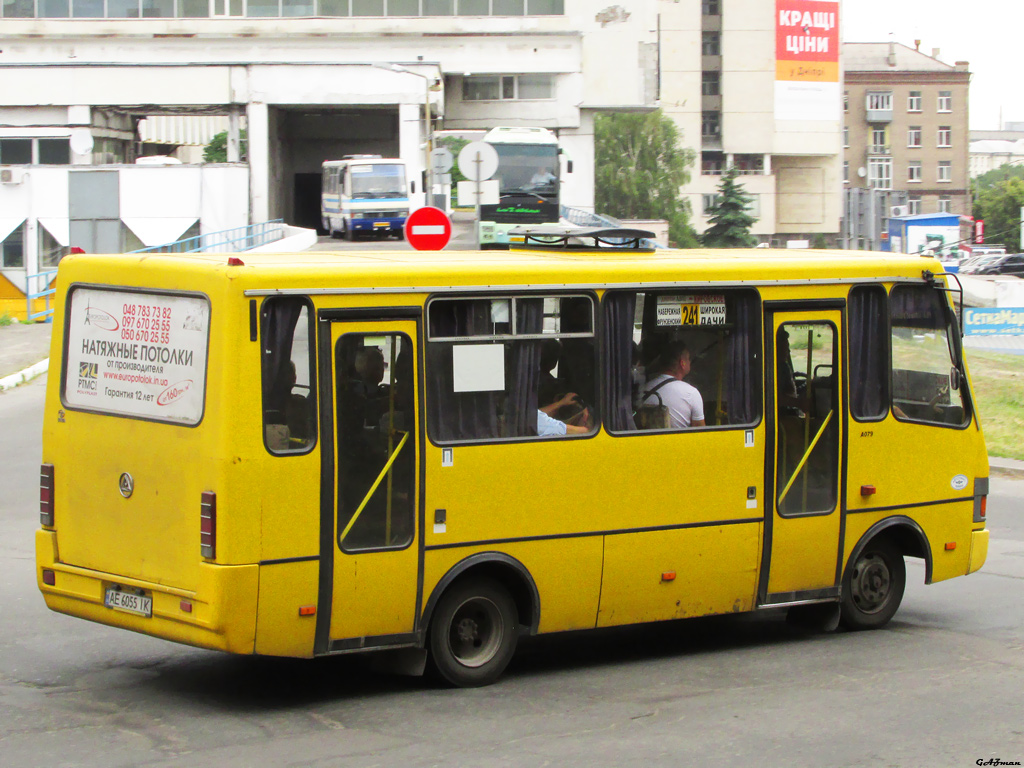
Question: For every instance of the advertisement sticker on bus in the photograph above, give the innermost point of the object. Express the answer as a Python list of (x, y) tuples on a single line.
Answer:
[(691, 310), (137, 354)]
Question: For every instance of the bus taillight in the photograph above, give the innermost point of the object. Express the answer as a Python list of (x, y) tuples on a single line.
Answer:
[(208, 525), (46, 494)]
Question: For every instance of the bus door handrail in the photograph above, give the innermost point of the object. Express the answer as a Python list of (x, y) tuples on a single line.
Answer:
[(373, 488), (807, 454)]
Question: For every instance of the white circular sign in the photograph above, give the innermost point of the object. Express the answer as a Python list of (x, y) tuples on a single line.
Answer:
[(959, 482), (441, 159), (478, 160), (81, 141)]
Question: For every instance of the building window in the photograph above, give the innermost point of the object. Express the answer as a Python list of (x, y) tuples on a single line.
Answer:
[(35, 151), (945, 170), (846, 171), (846, 101), (712, 163), (945, 101), (945, 136), (914, 101), (945, 204), (749, 165), (880, 172), (914, 136), (711, 124), (273, 8), (507, 87), (914, 171), (710, 8), (708, 203), (846, 137), (879, 141), (914, 205), (880, 101), (12, 249), (709, 84), (711, 44)]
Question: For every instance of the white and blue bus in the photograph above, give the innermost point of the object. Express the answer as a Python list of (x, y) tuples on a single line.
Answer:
[(364, 194)]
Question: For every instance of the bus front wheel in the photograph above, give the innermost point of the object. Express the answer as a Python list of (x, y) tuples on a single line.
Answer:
[(473, 633), (873, 586)]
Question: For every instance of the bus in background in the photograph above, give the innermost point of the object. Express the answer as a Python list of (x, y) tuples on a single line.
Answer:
[(364, 195), (529, 183), (323, 453)]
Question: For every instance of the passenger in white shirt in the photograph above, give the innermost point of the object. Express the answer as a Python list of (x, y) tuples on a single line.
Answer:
[(684, 403)]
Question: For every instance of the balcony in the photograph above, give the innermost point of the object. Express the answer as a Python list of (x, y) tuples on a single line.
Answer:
[(879, 115), (879, 150)]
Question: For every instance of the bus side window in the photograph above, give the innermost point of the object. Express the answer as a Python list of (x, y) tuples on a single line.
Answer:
[(722, 334), (927, 377), (869, 352), (289, 404), (511, 367)]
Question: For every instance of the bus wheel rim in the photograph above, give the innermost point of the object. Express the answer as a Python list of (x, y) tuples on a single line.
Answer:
[(871, 584), (475, 632)]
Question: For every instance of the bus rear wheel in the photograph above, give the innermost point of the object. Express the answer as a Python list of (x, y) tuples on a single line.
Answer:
[(873, 586), (473, 633)]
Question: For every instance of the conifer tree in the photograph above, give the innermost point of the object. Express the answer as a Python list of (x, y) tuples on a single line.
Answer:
[(730, 222)]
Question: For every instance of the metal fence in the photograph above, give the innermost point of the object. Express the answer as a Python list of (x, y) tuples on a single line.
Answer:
[(41, 281), (224, 241)]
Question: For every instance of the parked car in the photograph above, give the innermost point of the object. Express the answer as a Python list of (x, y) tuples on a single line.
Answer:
[(1007, 264)]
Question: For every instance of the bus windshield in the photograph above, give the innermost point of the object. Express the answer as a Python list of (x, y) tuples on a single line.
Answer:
[(378, 181), (527, 168)]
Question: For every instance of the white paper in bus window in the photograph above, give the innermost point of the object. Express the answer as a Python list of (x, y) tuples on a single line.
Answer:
[(478, 367), (137, 354)]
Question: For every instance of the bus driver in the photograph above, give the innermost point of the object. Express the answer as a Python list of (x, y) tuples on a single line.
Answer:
[(666, 386)]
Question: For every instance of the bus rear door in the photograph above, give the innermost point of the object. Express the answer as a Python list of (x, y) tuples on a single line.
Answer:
[(370, 483), (803, 532)]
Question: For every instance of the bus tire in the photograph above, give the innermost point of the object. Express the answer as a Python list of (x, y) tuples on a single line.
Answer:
[(473, 633), (873, 586)]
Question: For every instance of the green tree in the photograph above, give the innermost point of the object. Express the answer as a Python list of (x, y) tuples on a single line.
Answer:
[(640, 165), (999, 206), (730, 222), (217, 150), (454, 144)]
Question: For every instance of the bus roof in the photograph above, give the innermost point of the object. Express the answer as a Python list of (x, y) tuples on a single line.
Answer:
[(363, 161), (442, 271), (520, 135)]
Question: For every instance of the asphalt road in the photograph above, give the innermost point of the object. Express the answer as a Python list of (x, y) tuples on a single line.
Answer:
[(943, 685)]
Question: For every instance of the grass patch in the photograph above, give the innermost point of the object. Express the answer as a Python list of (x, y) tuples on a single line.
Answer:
[(5, 320), (999, 390)]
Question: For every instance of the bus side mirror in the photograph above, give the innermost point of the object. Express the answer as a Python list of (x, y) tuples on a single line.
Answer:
[(568, 166), (412, 187), (954, 378)]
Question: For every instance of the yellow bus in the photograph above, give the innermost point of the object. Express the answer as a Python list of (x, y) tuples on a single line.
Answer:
[(433, 454)]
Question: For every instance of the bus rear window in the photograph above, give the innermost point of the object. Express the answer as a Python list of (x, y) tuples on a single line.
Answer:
[(137, 354)]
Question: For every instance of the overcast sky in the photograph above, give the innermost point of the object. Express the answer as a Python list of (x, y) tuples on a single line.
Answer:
[(987, 33)]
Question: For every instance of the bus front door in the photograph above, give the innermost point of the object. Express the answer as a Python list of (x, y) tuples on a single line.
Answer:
[(370, 484), (802, 536)]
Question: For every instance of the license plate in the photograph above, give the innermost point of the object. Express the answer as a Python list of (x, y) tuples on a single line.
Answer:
[(381, 224), (129, 602)]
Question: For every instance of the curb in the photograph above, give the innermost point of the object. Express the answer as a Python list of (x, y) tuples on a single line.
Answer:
[(1006, 467), (15, 379)]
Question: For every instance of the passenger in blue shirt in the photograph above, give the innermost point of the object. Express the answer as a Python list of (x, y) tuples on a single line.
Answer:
[(549, 426)]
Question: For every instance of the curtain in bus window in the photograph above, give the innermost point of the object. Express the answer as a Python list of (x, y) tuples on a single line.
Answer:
[(521, 411), (279, 319), (620, 309), (742, 373), (869, 352), (459, 415)]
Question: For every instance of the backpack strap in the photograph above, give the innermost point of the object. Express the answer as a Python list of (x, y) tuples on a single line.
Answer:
[(654, 392)]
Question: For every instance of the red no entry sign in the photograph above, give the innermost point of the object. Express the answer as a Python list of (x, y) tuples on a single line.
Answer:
[(428, 229)]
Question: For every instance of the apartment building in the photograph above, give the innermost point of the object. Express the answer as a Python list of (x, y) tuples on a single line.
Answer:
[(755, 86), (906, 126)]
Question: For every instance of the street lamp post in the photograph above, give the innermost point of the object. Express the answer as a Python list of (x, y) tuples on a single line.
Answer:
[(428, 190)]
